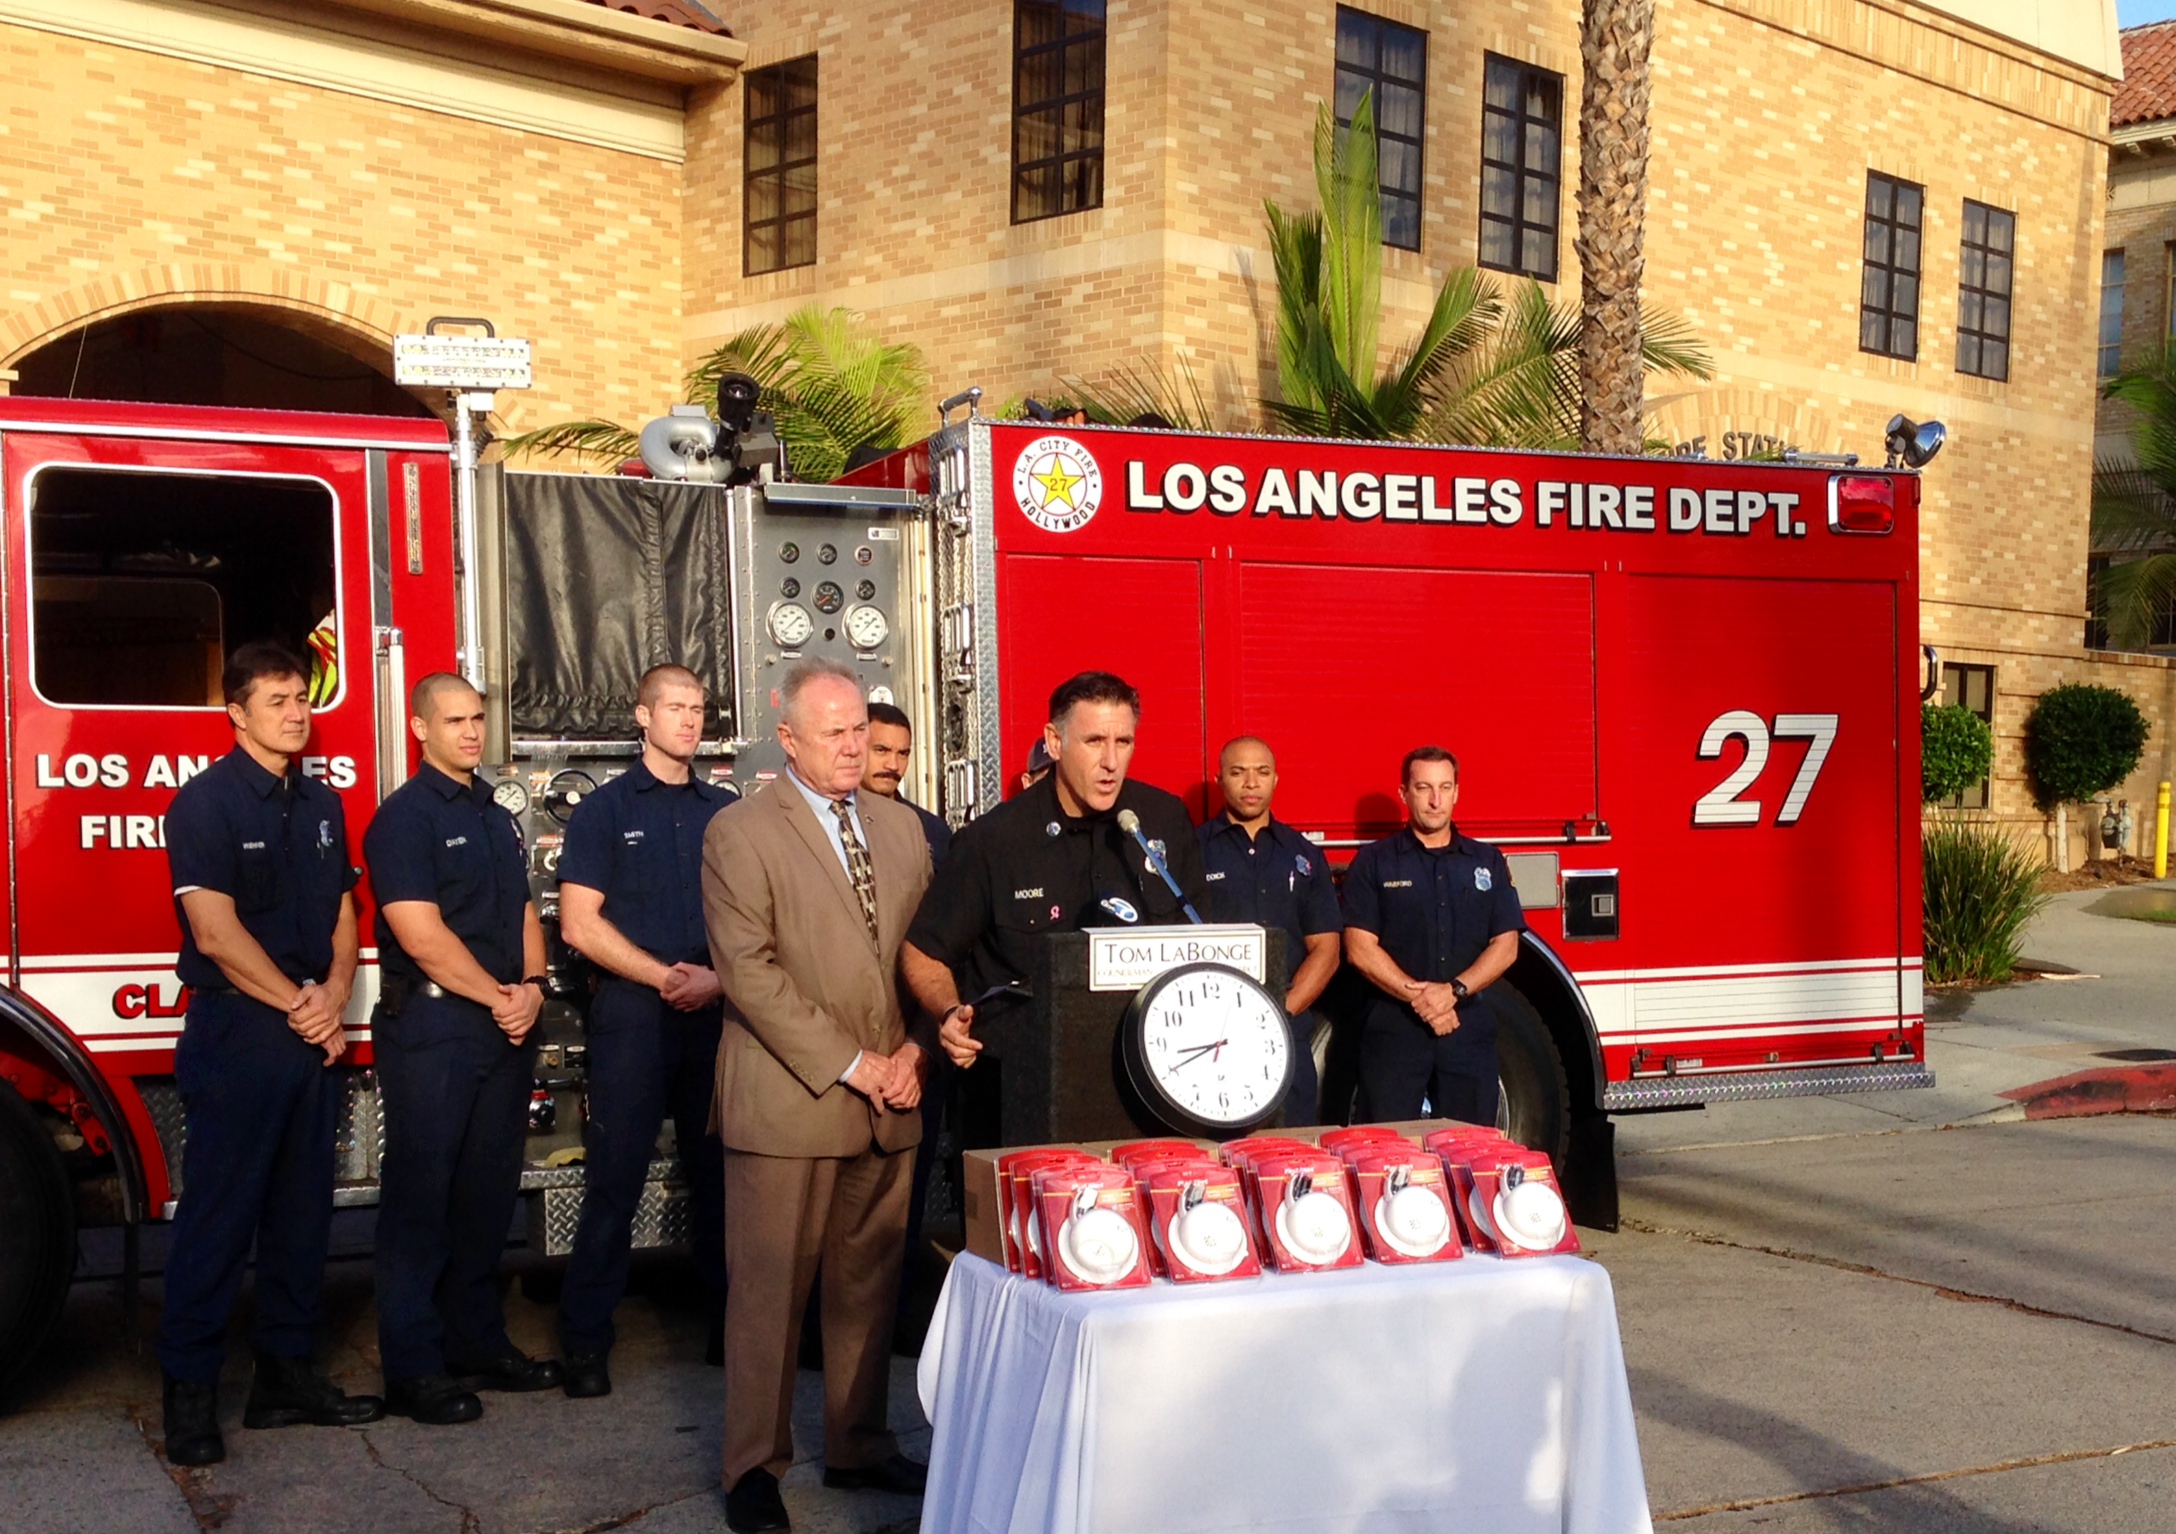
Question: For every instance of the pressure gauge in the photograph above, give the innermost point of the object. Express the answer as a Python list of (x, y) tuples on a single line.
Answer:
[(866, 627), (829, 599), (510, 796), (790, 624)]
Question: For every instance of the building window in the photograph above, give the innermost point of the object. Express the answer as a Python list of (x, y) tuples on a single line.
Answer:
[(1391, 61), (780, 148), (142, 583), (1057, 107), (1983, 291), (1972, 688), (2160, 631), (1522, 120), (1889, 288), (2111, 313)]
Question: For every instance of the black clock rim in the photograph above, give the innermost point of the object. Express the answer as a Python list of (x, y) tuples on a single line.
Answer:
[(1151, 1092)]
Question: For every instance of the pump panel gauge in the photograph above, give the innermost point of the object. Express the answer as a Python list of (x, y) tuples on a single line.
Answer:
[(829, 599), (790, 624), (867, 627), (510, 796)]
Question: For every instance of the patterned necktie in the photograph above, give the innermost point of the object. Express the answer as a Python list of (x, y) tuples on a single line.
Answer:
[(857, 864)]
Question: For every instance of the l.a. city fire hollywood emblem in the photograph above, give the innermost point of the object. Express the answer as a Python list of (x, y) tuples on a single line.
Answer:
[(1057, 484)]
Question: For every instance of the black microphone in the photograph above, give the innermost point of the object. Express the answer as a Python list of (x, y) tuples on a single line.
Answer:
[(1130, 823)]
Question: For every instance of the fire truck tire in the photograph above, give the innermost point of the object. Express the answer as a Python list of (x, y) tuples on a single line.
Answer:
[(1536, 1106), (37, 1212)]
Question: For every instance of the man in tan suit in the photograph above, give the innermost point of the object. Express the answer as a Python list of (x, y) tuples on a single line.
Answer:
[(808, 887)]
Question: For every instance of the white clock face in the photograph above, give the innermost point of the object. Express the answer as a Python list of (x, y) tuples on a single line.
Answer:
[(1217, 1046)]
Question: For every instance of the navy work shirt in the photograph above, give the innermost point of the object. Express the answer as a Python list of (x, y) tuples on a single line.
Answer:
[(1027, 868), (1277, 879), (934, 831), (1433, 908), (639, 843), (438, 840), (277, 847)]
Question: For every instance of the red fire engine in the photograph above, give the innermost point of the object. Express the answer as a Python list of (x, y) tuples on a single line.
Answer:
[(1683, 696)]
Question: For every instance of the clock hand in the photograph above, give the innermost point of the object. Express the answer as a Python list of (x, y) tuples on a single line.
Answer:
[(1197, 1052)]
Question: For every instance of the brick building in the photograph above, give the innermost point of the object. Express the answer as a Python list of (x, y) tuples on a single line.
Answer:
[(1038, 190)]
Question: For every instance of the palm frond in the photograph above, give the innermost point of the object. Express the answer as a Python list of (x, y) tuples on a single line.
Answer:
[(1348, 178), (1136, 389), (604, 440)]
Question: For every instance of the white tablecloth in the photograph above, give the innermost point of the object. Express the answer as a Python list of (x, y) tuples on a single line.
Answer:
[(1477, 1395)]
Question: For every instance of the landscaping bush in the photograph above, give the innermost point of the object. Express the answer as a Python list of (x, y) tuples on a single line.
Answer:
[(1956, 750), (1982, 888), (2082, 741)]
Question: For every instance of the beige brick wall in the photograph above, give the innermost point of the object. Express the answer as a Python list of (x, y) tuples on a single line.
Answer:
[(132, 177)]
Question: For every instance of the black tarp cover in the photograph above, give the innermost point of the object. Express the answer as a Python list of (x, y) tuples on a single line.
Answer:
[(606, 577)]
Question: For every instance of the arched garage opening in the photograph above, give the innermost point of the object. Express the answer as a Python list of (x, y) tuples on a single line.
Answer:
[(242, 355)]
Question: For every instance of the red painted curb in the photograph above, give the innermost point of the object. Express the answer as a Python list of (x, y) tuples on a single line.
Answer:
[(2117, 1089)]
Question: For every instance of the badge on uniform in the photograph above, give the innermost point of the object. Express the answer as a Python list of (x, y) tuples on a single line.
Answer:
[(1481, 879), (324, 836), (1306, 868), (1122, 909), (1051, 829)]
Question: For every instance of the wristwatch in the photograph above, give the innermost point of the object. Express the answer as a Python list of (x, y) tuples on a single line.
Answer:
[(1458, 989), (543, 983)]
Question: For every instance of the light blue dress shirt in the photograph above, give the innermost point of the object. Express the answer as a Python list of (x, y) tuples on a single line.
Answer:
[(829, 820)]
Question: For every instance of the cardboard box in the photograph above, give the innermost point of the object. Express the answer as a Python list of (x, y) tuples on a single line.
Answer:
[(982, 1198)]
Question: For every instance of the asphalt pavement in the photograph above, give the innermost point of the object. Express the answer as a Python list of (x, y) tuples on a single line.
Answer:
[(1907, 1311)]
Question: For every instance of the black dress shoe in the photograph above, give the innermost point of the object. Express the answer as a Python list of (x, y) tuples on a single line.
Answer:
[(515, 1372), (287, 1392), (753, 1506), (898, 1474), (192, 1424), (586, 1376), (436, 1400)]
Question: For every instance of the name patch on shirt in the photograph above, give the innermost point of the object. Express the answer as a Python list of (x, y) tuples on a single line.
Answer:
[(1212, 878), (1029, 894), (457, 841), (1397, 884), (253, 846), (631, 836)]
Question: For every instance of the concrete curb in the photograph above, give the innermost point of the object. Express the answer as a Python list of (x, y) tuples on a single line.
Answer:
[(2118, 1089)]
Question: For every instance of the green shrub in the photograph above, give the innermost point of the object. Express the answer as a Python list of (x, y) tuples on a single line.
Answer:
[(2082, 741), (1956, 750), (1982, 888)]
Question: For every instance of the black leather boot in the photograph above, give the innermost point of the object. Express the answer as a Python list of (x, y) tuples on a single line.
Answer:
[(192, 1424), (288, 1392)]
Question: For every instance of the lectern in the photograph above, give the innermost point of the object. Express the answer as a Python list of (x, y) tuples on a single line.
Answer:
[(1063, 1079)]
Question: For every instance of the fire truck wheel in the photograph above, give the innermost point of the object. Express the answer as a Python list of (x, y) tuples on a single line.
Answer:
[(37, 1211), (1536, 1106)]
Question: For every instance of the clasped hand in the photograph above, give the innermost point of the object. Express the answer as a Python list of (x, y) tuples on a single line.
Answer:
[(1437, 1005), (891, 1081), (689, 987), (315, 1015)]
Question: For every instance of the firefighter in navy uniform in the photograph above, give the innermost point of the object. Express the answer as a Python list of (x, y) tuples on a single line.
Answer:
[(461, 979), (262, 888), (631, 901), (1262, 871), (1432, 920), (1052, 858)]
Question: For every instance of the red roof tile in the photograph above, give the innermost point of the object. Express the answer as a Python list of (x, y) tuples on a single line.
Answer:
[(2148, 92), (675, 13)]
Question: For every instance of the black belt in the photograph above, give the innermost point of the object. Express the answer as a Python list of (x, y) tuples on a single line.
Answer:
[(235, 990)]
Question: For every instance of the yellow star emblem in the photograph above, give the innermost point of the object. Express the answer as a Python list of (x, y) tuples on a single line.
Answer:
[(1058, 484)]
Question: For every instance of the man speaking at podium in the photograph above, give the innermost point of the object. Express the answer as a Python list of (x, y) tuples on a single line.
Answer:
[(1063, 854)]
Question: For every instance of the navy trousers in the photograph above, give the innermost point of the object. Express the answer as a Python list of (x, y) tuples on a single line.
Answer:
[(456, 1097), (1302, 1104), (646, 1058), (261, 1109), (1403, 1065)]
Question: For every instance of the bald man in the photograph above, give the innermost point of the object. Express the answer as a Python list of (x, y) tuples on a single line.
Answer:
[(1260, 870)]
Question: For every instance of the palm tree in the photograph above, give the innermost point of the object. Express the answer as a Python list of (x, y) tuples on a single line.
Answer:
[(2134, 510), (1329, 301), (1490, 367), (832, 385), (1616, 38)]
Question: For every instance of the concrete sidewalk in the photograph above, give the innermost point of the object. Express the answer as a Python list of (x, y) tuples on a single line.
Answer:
[(1982, 1043)]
